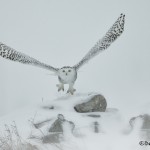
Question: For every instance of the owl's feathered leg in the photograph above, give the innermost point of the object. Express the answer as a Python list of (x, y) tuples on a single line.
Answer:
[(60, 87), (71, 90)]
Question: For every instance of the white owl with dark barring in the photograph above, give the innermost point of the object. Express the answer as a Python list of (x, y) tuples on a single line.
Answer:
[(67, 74)]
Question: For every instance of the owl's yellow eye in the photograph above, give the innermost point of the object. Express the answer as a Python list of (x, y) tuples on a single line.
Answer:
[(69, 70), (63, 70)]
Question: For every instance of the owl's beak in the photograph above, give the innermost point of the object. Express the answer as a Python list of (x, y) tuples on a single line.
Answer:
[(66, 74)]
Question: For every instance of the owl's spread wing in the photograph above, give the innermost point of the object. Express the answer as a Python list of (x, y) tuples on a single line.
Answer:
[(113, 33), (13, 55)]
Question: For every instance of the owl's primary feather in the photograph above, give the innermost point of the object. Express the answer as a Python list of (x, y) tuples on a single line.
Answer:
[(113, 33), (13, 55)]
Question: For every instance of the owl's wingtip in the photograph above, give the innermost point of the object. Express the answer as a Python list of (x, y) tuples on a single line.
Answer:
[(122, 14)]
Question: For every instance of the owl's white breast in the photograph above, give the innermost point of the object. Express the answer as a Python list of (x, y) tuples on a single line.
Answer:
[(67, 79)]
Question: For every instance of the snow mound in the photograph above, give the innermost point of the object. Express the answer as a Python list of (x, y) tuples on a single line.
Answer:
[(93, 130)]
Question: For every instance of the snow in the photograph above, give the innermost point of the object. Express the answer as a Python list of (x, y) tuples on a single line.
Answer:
[(114, 129)]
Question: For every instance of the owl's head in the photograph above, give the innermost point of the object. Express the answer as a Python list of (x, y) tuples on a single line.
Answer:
[(66, 71)]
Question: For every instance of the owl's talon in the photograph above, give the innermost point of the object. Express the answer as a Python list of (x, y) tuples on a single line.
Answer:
[(60, 87), (71, 91)]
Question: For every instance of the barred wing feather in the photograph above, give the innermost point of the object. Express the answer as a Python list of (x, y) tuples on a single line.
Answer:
[(113, 33), (11, 54)]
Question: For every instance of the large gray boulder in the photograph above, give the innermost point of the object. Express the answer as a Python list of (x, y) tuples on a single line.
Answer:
[(96, 103)]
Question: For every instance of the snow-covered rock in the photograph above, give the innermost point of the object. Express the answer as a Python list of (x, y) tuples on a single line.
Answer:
[(57, 129), (59, 123), (144, 121)]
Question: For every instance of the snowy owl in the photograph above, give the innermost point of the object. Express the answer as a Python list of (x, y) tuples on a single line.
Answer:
[(67, 74)]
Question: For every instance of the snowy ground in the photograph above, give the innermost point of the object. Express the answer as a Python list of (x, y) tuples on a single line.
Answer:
[(114, 129)]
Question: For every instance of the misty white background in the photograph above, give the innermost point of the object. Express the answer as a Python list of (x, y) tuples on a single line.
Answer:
[(60, 33)]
